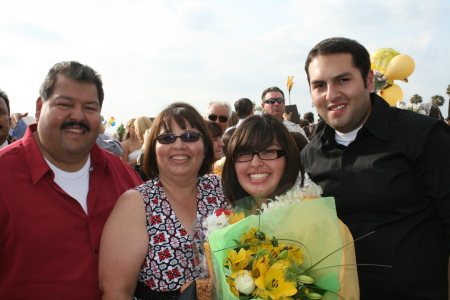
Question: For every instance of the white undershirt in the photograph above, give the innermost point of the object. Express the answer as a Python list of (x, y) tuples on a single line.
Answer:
[(346, 138), (75, 184)]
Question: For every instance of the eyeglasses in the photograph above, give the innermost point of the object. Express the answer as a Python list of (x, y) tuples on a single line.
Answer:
[(267, 154), (222, 119), (273, 100), (188, 137)]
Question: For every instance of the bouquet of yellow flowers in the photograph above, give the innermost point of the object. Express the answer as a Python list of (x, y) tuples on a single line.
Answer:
[(291, 250)]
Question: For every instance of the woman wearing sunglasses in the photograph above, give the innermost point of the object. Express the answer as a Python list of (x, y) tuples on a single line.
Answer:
[(146, 246), (263, 161)]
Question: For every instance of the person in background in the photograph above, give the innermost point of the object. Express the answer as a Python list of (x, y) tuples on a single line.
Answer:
[(146, 247), (141, 124), (57, 190), (131, 144), (388, 170), (216, 135), (311, 126), (219, 111), (273, 103), (243, 108), (5, 121), (104, 141)]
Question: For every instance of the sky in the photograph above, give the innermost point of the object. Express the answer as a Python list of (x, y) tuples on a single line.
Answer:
[(152, 53)]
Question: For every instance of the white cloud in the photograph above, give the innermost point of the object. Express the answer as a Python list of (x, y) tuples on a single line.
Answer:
[(151, 53)]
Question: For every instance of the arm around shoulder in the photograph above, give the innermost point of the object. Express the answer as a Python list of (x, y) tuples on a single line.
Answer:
[(123, 247)]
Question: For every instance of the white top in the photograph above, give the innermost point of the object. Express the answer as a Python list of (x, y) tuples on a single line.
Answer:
[(133, 155), (235, 126), (294, 127), (75, 184), (346, 138)]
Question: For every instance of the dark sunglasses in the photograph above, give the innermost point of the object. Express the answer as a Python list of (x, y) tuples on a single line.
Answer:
[(188, 137), (273, 100), (222, 119)]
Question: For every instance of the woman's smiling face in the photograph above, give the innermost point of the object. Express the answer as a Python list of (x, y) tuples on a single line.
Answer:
[(258, 177)]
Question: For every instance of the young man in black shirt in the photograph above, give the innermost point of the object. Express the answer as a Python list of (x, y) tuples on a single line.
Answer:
[(389, 171)]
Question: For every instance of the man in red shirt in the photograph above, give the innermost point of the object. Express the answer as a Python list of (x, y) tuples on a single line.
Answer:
[(57, 190)]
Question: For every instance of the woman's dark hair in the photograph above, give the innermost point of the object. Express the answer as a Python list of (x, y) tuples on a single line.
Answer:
[(181, 113), (214, 129), (258, 133), (226, 138), (299, 139)]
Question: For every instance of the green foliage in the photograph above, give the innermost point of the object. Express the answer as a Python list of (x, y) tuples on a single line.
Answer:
[(121, 129), (416, 99), (438, 100), (256, 108), (448, 90)]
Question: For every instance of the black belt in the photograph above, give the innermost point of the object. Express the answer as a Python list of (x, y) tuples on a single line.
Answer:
[(143, 292)]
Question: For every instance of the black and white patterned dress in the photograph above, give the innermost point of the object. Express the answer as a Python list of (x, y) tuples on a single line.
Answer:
[(170, 262)]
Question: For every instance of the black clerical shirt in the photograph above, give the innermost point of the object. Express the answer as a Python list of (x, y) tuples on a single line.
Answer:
[(394, 179)]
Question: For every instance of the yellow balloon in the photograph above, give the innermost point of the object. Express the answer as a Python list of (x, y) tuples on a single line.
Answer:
[(392, 94), (380, 59), (400, 67)]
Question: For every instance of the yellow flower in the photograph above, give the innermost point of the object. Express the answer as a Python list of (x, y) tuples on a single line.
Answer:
[(271, 282), (232, 286), (236, 217), (252, 237), (237, 261), (295, 253), (262, 262)]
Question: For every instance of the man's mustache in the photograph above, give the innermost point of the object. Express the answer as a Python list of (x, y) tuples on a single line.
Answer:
[(73, 123)]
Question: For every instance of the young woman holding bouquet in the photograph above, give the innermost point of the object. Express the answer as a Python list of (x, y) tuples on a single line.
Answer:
[(263, 162), (146, 247)]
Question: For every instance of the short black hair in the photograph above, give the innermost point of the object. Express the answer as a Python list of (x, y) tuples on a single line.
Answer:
[(243, 107), (73, 70), (4, 96), (338, 45)]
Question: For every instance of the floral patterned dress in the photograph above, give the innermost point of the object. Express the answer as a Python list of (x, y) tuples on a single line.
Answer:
[(170, 259)]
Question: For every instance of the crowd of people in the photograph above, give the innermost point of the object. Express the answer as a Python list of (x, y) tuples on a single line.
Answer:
[(86, 216)]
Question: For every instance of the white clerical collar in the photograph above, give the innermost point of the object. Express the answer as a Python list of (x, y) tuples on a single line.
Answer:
[(346, 138)]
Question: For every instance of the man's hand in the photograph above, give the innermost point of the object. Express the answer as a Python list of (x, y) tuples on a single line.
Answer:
[(287, 116), (15, 118)]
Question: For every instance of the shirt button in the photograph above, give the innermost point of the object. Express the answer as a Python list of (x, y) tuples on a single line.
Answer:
[(49, 173), (96, 251), (91, 168)]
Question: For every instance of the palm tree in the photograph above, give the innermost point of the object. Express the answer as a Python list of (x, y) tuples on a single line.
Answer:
[(438, 100), (448, 94), (416, 99)]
